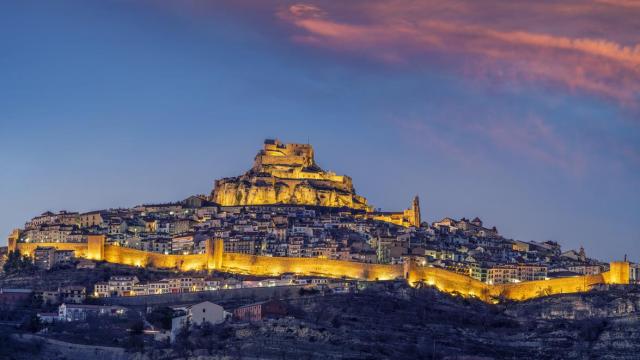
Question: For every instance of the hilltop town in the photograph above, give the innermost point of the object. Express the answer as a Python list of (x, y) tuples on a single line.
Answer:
[(287, 206), (282, 254)]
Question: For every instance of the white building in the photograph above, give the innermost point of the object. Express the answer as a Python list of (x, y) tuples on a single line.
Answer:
[(196, 314), (74, 312)]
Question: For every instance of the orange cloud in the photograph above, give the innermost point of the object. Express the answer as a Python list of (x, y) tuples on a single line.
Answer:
[(561, 43)]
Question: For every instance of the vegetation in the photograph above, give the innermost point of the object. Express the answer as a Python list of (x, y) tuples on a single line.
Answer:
[(161, 318), (12, 349), (18, 263)]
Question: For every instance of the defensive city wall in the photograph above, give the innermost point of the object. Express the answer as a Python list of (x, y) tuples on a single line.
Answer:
[(215, 258)]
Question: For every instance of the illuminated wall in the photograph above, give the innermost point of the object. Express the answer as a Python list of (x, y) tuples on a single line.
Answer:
[(619, 273), (95, 247), (265, 265), (532, 289), (444, 280), (80, 249), (128, 256), (451, 282), (447, 281)]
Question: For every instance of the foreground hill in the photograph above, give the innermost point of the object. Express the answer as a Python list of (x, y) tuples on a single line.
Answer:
[(392, 321)]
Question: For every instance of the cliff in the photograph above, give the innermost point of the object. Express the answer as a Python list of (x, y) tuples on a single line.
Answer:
[(287, 174)]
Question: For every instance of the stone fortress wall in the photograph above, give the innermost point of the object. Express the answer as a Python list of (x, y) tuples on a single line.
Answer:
[(215, 259), (277, 153)]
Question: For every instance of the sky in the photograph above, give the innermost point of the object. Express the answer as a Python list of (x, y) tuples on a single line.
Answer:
[(524, 113)]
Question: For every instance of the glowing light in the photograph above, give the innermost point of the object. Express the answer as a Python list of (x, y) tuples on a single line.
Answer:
[(445, 280)]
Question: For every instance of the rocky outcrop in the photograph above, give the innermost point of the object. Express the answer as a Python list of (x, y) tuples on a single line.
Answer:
[(287, 174)]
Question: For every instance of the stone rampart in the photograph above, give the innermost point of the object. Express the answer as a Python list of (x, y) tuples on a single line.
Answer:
[(265, 265), (133, 257), (80, 249), (532, 289), (446, 281)]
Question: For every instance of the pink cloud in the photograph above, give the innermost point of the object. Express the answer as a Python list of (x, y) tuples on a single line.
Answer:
[(589, 46)]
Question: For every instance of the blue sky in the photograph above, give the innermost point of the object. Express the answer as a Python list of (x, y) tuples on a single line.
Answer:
[(114, 103)]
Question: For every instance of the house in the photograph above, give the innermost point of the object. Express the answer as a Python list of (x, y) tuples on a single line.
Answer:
[(140, 289), (48, 297), (260, 310), (63, 256), (159, 287), (74, 312), (101, 289), (118, 286), (73, 294), (122, 285), (585, 269), (575, 255), (47, 318), (93, 218), (196, 314), (44, 257), (520, 246), (200, 313)]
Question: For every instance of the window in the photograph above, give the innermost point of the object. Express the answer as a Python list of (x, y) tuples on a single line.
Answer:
[(203, 310)]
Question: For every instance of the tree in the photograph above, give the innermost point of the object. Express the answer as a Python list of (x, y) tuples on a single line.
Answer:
[(161, 317), (206, 329), (182, 343), (137, 327), (32, 324), (16, 262)]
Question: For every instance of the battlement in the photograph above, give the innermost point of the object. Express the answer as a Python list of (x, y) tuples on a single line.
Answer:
[(287, 174), (278, 153)]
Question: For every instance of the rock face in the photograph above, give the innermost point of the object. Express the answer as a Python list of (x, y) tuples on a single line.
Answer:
[(287, 174)]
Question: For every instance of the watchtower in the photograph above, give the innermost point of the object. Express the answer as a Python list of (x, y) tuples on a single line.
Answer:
[(12, 241), (214, 248), (619, 272), (95, 247)]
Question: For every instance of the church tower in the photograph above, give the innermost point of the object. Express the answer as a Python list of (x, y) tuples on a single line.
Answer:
[(415, 207)]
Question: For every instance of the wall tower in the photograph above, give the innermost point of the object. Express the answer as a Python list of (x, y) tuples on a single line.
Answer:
[(619, 272), (214, 249), (95, 247), (12, 241)]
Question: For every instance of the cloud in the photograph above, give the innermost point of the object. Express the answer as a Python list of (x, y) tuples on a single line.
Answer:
[(474, 142), (585, 46), (569, 46)]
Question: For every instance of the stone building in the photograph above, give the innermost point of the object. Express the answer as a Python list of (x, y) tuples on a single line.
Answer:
[(260, 310), (44, 257)]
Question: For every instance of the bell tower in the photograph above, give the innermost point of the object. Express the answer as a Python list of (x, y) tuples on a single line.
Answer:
[(416, 212)]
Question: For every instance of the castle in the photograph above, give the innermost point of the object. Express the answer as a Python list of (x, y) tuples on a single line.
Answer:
[(288, 174)]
